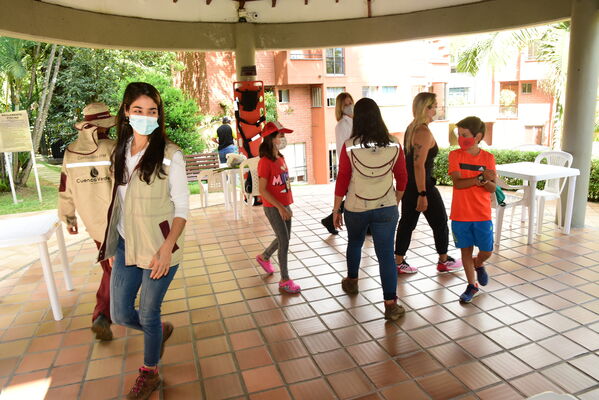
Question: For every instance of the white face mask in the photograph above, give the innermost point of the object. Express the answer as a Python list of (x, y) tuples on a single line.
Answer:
[(348, 110), (282, 143), (142, 124)]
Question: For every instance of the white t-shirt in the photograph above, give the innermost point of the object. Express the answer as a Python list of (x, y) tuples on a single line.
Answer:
[(342, 133), (177, 183)]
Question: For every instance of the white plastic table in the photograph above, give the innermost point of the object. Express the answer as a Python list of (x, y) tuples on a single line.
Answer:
[(229, 182), (535, 172), (37, 229)]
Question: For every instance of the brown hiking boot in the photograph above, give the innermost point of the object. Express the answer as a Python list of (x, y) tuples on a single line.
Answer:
[(394, 311), (101, 327), (147, 381), (167, 331), (350, 285)]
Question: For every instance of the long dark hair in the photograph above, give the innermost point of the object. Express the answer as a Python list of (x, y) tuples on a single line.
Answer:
[(368, 126), (267, 147), (151, 162)]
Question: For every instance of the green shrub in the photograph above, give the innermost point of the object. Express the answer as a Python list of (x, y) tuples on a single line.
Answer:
[(594, 181)]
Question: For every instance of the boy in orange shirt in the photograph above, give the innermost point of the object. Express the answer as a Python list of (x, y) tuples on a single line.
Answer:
[(473, 173)]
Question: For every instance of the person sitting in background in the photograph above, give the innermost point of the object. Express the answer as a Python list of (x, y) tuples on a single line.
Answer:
[(225, 140)]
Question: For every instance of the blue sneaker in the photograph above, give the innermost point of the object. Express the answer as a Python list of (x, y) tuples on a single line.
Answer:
[(469, 294), (481, 276)]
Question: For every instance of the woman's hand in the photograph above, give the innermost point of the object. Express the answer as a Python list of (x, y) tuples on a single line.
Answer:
[(337, 220), (161, 262), (285, 213), (422, 204)]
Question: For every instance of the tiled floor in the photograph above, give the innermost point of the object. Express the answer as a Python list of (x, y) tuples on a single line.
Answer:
[(535, 327)]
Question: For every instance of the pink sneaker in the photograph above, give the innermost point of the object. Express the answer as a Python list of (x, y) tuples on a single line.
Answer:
[(405, 268), (450, 265), (265, 264), (289, 287)]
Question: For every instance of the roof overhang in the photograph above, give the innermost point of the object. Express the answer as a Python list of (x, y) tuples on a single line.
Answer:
[(102, 24)]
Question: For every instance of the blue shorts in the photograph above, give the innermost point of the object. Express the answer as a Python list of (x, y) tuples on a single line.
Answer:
[(473, 233)]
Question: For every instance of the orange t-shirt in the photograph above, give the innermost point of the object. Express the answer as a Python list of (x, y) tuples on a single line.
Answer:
[(473, 203)]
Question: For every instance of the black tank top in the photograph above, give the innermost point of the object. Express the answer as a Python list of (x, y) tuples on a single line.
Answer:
[(428, 166)]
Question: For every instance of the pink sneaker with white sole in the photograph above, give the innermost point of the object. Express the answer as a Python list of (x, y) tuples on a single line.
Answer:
[(265, 264), (289, 287)]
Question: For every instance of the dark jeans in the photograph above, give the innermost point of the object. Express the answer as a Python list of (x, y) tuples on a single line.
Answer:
[(382, 222), (103, 293), (282, 231), (124, 285), (435, 214)]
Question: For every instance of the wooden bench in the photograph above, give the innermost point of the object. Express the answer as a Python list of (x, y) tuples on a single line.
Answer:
[(194, 163)]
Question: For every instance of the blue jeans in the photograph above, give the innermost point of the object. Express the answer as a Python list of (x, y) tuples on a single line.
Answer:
[(222, 153), (125, 282), (382, 222)]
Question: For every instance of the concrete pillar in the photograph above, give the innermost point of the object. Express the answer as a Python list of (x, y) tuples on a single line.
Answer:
[(245, 50), (581, 97)]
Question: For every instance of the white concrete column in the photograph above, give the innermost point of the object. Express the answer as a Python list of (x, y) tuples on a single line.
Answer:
[(581, 97), (245, 49)]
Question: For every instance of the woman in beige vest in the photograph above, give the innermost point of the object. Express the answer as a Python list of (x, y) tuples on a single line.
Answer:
[(146, 217), (369, 162)]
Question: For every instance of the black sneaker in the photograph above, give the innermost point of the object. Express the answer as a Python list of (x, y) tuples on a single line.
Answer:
[(481, 276), (101, 327), (167, 331), (328, 223)]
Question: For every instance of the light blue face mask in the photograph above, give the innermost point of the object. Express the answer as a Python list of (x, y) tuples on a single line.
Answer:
[(142, 124)]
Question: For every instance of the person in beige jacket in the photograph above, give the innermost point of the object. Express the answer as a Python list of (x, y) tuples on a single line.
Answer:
[(85, 188)]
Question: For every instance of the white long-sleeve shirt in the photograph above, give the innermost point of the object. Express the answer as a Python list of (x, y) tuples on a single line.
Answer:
[(177, 183), (342, 133)]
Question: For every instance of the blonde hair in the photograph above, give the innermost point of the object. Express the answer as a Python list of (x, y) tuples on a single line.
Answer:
[(339, 104), (421, 104)]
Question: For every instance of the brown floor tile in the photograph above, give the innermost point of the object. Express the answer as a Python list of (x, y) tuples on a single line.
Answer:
[(588, 364), (215, 345), (246, 339), (270, 317), (479, 345), (239, 323), (563, 347), (456, 329), (288, 350), (217, 365), (418, 364), (14, 348), (502, 391), (35, 361), (405, 390), (300, 369), (177, 353), (308, 326), (222, 387), (254, 357), (349, 384), (368, 352), (261, 378), (278, 333), (442, 386), (570, 378), (533, 384), (45, 343), (334, 361), (483, 322), (101, 389), (208, 329), (428, 337), (275, 394), (65, 392), (316, 389), (68, 375), (533, 330), (507, 337), (192, 390), (450, 354), (385, 374), (104, 367), (351, 335), (475, 375), (506, 365), (584, 337), (320, 342), (535, 356), (8, 365)]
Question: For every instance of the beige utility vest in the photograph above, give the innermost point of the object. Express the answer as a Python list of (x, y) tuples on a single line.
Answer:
[(86, 184), (149, 214), (371, 185)]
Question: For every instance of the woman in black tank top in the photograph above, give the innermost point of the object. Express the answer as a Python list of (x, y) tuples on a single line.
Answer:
[(421, 195)]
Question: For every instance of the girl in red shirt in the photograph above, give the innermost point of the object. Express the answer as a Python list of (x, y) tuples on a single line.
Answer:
[(275, 189)]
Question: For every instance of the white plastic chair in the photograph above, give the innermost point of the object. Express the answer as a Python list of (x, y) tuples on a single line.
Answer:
[(250, 164), (553, 187), (511, 201), (208, 181)]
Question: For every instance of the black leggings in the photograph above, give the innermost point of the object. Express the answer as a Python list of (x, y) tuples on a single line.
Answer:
[(435, 214)]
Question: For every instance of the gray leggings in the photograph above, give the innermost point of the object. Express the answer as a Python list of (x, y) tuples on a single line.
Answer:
[(283, 232)]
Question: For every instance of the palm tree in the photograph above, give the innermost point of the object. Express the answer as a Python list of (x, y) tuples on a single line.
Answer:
[(12, 66), (494, 50)]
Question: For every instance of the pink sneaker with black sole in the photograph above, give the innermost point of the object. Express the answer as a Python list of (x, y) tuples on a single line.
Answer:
[(289, 287), (265, 264)]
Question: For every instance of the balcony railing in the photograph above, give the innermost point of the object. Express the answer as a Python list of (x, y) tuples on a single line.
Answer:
[(305, 55)]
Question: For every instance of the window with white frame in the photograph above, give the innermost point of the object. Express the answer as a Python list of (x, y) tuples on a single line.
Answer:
[(283, 95), (295, 158), (335, 61), (332, 93), (458, 96), (369, 91)]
